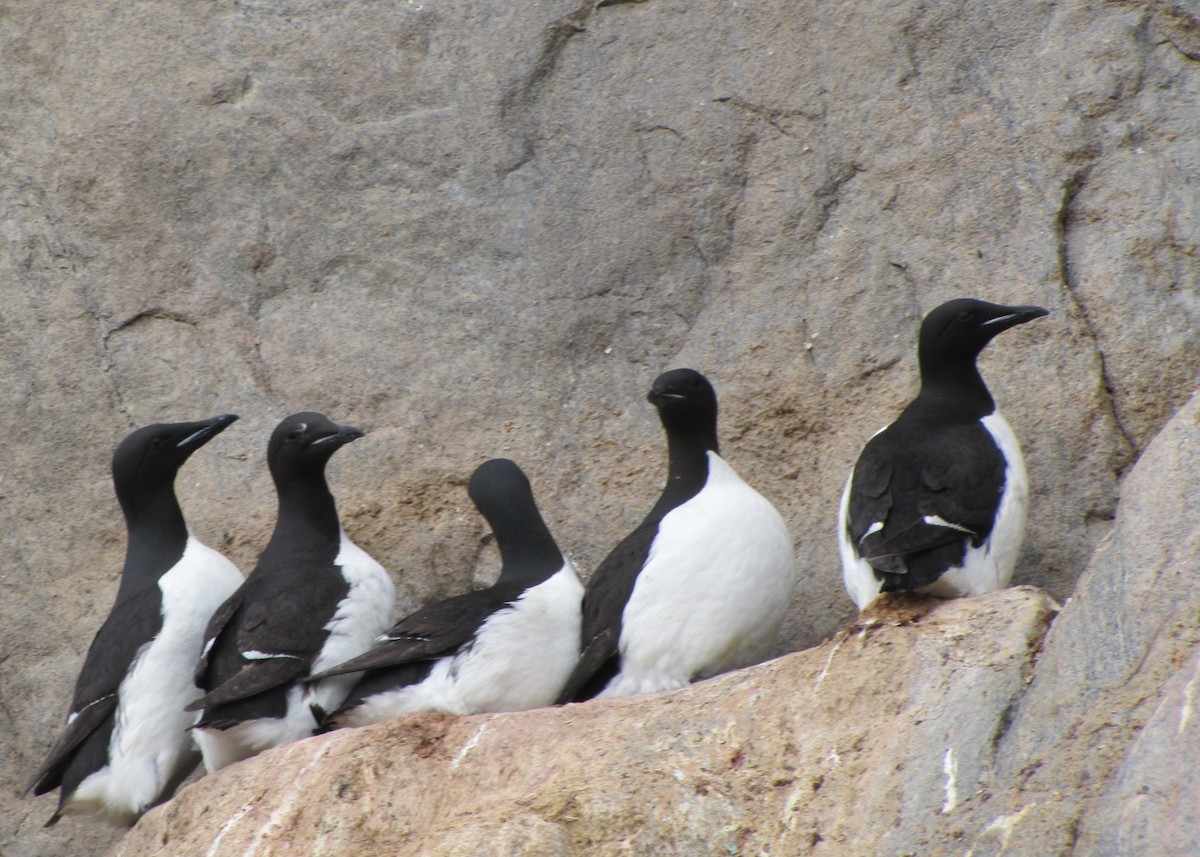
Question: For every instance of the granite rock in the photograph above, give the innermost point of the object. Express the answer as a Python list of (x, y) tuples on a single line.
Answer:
[(861, 745), (478, 229)]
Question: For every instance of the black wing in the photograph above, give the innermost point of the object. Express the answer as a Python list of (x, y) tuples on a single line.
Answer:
[(270, 638), (920, 494), (433, 631), (130, 625), (216, 625), (604, 601)]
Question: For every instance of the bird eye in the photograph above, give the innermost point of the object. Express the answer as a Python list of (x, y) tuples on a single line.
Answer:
[(156, 441), (293, 435)]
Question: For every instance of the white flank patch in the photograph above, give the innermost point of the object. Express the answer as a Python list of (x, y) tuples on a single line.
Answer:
[(366, 612), (151, 738), (950, 769), (857, 575), (221, 747), (363, 615), (713, 592), (990, 566)]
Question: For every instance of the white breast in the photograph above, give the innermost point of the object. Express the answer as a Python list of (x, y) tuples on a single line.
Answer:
[(713, 592), (151, 738), (366, 611)]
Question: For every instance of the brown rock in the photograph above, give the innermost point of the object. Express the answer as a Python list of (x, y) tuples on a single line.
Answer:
[(865, 744), (481, 229), (1084, 767)]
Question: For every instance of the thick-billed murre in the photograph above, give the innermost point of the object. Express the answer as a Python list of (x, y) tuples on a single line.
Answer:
[(702, 584), (937, 501), (127, 745), (314, 601), (508, 647)]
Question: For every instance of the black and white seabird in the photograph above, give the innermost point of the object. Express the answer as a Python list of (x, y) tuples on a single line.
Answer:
[(126, 746), (314, 600), (936, 503), (702, 585), (509, 647)]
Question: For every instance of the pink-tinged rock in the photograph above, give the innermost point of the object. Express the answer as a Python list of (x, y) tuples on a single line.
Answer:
[(866, 744)]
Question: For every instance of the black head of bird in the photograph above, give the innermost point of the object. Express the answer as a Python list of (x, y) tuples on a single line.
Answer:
[(686, 402), (304, 442), (958, 330), (150, 457), (502, 494)]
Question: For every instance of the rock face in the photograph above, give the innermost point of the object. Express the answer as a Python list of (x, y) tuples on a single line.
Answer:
[(1098, 739), (968, 730), (763, 760), (479, 229)]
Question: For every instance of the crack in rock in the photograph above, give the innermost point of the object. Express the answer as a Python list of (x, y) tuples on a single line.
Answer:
[(772, 115), (828, 194), (1071, 190), (145, 315), (523, 92)]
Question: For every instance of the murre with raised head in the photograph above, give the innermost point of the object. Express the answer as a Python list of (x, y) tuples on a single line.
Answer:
[(127, 745), (314, 600), (937, 501), (702, 584)]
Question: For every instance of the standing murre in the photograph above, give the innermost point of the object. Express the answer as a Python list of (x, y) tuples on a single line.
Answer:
[(936, 503), (127, 744), (509, 647), (314, 600), (703, 583)]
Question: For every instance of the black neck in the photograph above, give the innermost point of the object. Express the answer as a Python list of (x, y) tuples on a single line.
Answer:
[(954, 388), (687, 471), (157, 536), (528, 552), (308, 517)]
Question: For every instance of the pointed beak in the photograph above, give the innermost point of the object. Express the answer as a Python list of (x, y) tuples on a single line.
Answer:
[(1013, 316), (343, 435), (658, 397), (206, 430)]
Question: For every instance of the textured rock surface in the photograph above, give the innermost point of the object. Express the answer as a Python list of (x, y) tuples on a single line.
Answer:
[(1096, 745), (479, 229), (961, 732), (764, 760)]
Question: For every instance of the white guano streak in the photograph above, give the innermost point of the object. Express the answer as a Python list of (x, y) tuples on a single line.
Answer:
[(950, 768), (1189, 699), (299, 790), (471, 744), (228, 826)]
